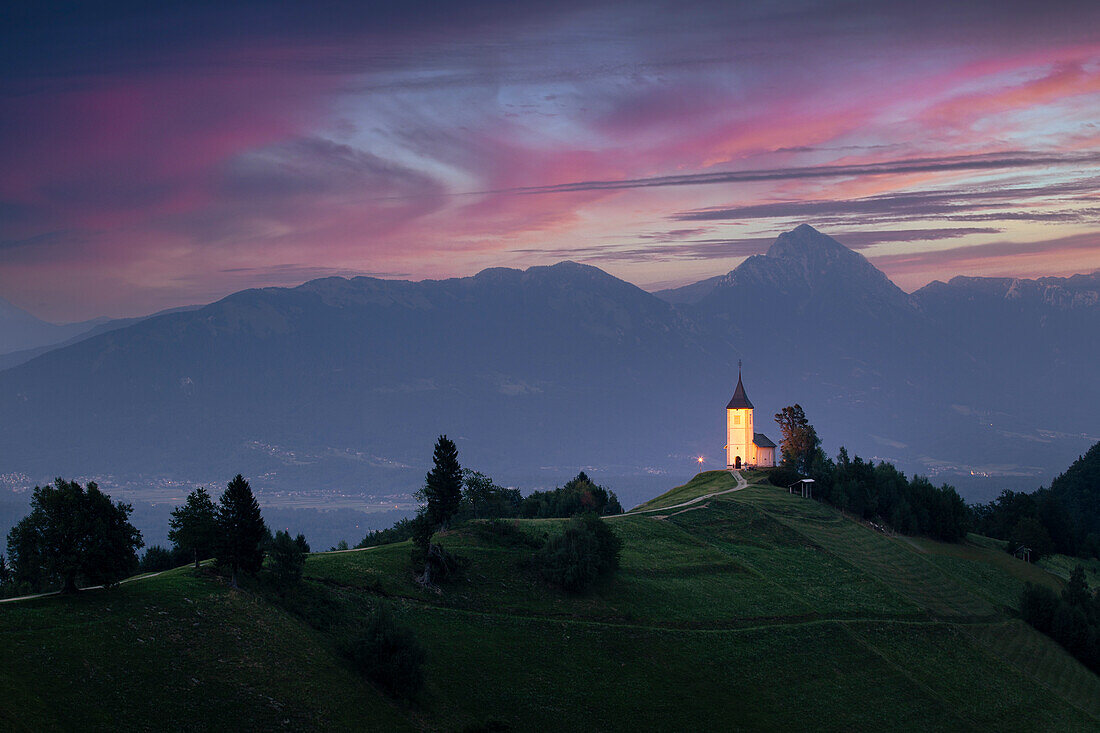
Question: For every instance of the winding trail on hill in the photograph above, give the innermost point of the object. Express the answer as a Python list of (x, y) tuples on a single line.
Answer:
[(741, 484), (146, 576)]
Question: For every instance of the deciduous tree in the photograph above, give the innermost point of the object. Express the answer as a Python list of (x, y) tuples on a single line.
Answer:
[(800, 442), (74, 533)]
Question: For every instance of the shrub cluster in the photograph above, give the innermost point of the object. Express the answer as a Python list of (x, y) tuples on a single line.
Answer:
[(574, 560), (1072, 619), (579, 496), (389, 654), (502, 533), (288, 557), (401, 530), (157, 559)]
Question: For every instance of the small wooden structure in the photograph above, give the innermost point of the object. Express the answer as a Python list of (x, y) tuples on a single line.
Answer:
[(805, 487), (1023, 552)]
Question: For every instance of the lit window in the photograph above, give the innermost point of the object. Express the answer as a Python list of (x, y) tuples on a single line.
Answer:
[(736, 419)]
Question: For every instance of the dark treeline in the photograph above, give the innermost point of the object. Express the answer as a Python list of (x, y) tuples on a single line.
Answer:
[(1072, 619), (585, 551), (1064, 518), (76, 536), (481, 498), (869, 490), (579, 496)]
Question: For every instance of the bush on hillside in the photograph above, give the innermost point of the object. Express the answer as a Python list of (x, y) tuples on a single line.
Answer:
[(157, 559), (503, 533), (389, 654), (574, 560), (579, 496), (401, 530), (436, 565), (783, 476), (483, 499), (288, 558), (1029, 532)]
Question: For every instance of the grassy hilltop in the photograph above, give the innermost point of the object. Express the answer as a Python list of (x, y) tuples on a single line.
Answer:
[(748, 610)]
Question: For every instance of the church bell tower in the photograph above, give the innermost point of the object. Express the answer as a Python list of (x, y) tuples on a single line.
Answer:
[(740, 448)]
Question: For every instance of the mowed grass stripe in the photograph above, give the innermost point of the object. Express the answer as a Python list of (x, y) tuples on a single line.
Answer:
[(950, 664), (1043, 660), (889, 560), (788, 561), (569, 676)]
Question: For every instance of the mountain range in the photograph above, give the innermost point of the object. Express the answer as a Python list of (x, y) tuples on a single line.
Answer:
[(20, 330), (345, 383)]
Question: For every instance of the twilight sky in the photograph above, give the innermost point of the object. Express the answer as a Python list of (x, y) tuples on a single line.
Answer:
[(157, 157)]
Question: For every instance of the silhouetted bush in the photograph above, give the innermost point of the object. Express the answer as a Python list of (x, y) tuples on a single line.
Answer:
[(783, 476), (575, 559), (579, 496), (482, 498), (504, 533), (288, 557), (435, 564), (389, 654), (401, 530), (157, 559)]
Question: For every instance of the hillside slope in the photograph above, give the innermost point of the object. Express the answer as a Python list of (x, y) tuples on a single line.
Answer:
[(750, 610)]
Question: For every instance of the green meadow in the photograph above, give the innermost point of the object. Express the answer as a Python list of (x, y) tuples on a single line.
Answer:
[(750, 610)]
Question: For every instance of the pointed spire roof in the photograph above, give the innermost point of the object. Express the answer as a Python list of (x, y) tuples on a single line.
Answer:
[(740, 400)]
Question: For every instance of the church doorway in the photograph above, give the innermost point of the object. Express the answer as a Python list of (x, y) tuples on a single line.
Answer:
[(737, 463)]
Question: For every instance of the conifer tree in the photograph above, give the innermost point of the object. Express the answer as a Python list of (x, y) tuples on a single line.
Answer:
[(443, 484), (241, 529), (194, 526)]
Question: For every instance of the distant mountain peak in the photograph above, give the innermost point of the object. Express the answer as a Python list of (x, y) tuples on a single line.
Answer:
[(804, 241)]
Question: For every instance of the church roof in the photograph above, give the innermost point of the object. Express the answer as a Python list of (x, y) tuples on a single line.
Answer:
[(740, 400), (762, 441)]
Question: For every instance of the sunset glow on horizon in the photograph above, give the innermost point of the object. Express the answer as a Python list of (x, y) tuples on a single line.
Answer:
[(172, 157)]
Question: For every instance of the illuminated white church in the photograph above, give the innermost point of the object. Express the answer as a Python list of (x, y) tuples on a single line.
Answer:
[(743, 446)]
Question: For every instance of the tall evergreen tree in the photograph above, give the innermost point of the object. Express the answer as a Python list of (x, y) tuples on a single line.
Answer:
[(241, 529), (194, 526), (443, 485)]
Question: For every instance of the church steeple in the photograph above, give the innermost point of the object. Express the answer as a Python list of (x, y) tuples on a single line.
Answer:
[(740, 400)]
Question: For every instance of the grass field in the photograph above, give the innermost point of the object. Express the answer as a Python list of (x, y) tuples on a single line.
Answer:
[(708, 482), (1062, 566), (759, 611)]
